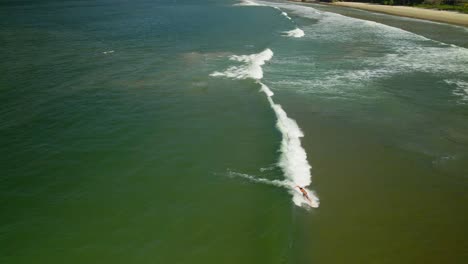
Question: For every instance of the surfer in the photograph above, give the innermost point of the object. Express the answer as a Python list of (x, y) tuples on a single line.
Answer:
[(304, 193)]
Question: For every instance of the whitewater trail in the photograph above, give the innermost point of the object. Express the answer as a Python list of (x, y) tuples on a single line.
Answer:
[(276, 183), (293, 159)]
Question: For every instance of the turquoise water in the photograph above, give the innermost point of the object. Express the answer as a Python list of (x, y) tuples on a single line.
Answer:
[(135, 132)]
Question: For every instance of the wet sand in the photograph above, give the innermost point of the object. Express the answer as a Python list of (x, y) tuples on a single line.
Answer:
[(414, 12)]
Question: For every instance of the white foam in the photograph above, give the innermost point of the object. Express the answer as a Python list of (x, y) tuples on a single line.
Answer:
[(261, 3), (298, 198), (406, 58), (266, 90), (252, 67), (108, 52), (461, 89), (269, 168), (295, 33), (343, 28), (284, 14), (293, 158), (248, 3), (277, 183)]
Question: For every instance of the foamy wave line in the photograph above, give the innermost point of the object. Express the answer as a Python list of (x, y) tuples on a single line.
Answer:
[(282, 12), (295, 33), (285, 14), (252, 67), (248, 3), (293, 158), (461, 89)]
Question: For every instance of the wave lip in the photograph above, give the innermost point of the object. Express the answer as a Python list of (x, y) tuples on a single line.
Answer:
[(295, 33)]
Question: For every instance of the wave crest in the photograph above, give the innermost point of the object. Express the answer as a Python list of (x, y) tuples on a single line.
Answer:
[(293, 159), (252, 67)]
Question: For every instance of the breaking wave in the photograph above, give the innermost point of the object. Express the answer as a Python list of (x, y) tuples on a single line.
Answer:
[(248, 3), (293, 159), (295, 33), (252, 67), (285, 15)]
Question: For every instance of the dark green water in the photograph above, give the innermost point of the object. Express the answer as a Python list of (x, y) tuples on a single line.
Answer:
[(117, 144)]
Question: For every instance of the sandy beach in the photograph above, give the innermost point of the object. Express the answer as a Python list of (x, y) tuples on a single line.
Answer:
[(414, 12)]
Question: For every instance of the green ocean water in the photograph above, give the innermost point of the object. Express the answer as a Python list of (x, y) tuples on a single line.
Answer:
[(120, 146)]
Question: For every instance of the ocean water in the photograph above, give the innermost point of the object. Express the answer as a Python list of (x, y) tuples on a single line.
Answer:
[(176, 131)]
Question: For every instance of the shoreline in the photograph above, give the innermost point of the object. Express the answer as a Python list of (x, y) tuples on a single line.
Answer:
[(412, 12)]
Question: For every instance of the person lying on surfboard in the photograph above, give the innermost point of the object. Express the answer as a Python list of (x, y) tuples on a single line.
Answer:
[(304, 193)]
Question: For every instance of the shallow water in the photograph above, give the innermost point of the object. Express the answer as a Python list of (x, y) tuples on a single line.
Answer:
[(121, 144)]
